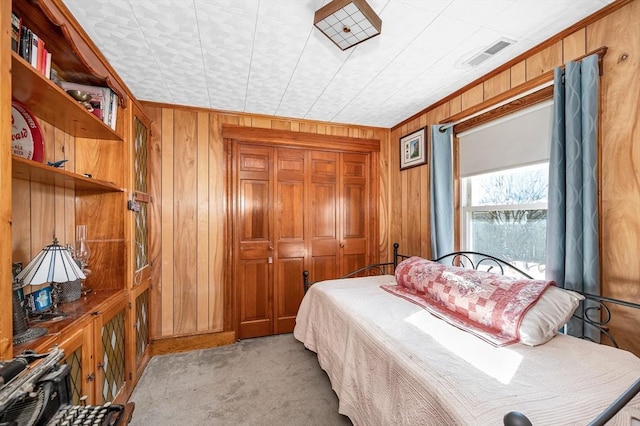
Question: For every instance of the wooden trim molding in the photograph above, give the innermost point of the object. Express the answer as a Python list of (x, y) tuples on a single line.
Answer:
[(300, 139), (247, 115), (169, 345), (508, 108), (6, 275), (517, 104)]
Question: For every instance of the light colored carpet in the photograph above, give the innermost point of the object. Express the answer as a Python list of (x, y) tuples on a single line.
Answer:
[(264, 381)]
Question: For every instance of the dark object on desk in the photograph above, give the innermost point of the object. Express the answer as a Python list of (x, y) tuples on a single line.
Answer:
[(11, 369), (56, 164), (99, 415), (514, 418), (21, 331), (40, 395)]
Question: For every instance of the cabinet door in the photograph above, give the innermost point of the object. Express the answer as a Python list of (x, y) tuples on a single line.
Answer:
[(289, 235), (78, 354), (254, 246), (138, 346), (110, 337)]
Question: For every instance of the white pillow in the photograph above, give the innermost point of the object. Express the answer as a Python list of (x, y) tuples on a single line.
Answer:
[(552, 311)]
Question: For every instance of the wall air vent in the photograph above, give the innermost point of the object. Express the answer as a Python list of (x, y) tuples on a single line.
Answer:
[(486, 53)]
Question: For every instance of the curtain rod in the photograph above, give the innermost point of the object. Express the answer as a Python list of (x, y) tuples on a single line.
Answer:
[(601, 51), (445, 126)]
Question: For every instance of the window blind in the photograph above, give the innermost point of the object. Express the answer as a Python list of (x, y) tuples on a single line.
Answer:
[(516, 139)]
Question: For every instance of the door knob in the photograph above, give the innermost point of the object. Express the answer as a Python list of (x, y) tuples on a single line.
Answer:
[(341, 245), (270, 248)]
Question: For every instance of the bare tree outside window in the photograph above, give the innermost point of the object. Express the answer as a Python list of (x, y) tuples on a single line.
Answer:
[(507, 216)]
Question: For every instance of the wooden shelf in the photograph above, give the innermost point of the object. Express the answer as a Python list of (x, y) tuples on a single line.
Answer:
[(33, 171), (53, 105)]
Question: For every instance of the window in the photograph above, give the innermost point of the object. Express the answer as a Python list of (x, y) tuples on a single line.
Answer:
[(505, 215), (504, 184)]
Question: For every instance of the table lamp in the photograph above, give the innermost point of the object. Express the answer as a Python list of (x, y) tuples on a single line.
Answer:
[(54, 265)]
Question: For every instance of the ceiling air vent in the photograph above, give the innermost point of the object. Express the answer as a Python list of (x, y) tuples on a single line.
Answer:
[(487, 53)]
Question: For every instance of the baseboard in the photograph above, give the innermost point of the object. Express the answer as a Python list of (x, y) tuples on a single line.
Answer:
[(169, 345)]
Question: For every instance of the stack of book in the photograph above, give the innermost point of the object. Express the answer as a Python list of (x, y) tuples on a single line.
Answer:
[(103, 103), (32, 48)]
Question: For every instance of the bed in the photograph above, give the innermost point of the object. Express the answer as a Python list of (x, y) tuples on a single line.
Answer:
[(392, 361)]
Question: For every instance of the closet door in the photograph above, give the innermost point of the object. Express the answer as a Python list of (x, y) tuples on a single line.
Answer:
[(254, 249), (355, 212), (295, 209), (339, 214), (323, 216), (290, 205)]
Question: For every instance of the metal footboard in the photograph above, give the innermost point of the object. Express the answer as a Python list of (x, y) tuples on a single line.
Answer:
[(386, 268)]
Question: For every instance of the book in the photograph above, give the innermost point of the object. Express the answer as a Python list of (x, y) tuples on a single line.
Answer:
[(24, 50), (16, 27), (47, 66), (33, 57), (114, 110), (41, 56)]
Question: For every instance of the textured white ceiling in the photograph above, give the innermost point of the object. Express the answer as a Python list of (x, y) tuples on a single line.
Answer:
[(266, 56)]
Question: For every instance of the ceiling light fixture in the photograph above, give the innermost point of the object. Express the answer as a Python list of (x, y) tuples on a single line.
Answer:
[(347, 22)]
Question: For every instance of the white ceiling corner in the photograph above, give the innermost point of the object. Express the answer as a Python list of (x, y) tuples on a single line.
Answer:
[(266, 56)]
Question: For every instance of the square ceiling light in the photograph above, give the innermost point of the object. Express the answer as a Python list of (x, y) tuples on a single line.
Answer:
[(347, 22)]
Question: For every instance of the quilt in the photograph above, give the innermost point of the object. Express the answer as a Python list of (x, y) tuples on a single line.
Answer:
[(489, 305)]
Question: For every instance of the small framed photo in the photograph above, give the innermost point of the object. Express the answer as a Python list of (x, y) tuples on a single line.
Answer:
[(413, 149)]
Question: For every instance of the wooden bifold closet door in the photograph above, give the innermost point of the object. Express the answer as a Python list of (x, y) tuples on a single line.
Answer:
[(296, 209)]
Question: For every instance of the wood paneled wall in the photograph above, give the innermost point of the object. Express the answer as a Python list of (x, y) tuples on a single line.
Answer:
[(187, 186), (619, 149)]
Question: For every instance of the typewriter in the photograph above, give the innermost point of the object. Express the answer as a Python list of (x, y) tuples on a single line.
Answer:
[(35, 391)]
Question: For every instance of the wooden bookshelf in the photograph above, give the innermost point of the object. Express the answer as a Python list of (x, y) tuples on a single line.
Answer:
[(33, 171), (52, 104)]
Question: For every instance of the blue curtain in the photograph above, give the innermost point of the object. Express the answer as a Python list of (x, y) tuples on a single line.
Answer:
[(572, 222), (441, 192)]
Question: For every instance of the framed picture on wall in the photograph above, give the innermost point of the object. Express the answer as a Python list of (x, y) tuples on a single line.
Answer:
[(413, 149)]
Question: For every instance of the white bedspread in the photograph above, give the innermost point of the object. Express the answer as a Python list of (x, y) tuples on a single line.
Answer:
[(391, 363)]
